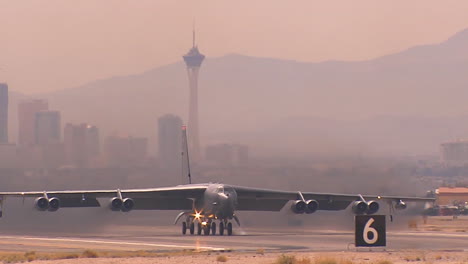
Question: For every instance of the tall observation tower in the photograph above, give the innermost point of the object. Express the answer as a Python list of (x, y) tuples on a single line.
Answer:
[(193, 59)]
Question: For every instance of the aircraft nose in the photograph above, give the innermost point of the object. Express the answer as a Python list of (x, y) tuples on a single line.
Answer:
[(225, 202), (223, 196)]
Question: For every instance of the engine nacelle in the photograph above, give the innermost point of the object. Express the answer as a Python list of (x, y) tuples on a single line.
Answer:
[(359, 207), (312, 206), (41, 203), (116, 204), (372, 207), (299, 207), (127, 204), (54, 204), (400, 205)]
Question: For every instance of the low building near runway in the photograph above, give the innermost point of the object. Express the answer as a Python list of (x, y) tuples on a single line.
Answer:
[(451, 195)]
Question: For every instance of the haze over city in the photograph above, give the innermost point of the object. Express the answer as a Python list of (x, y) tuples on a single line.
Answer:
[(300, 117), (288, 84), (54, 45)]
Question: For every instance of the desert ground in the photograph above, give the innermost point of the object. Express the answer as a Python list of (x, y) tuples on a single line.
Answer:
[(434, 240), (380, 257)]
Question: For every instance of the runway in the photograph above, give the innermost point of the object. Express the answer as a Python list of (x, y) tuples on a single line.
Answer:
[(168, 238)]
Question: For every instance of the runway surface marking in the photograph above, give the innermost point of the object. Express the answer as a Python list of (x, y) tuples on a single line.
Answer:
[(113, 242), (447, 235)]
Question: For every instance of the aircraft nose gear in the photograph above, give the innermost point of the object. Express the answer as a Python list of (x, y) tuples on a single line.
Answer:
[(184, 228), (192, 228), (206, 229), (221, 229), (229, 229), (213, 228)]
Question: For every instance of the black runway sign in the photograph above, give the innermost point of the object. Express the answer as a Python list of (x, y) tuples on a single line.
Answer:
[(370, 231)]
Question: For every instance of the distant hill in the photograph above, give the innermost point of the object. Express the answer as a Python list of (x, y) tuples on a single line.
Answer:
[(408, 102)]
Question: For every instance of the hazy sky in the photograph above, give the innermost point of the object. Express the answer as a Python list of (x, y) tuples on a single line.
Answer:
[(55, 44)]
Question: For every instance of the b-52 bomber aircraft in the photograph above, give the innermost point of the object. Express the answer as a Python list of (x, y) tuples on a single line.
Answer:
[(211, 208)]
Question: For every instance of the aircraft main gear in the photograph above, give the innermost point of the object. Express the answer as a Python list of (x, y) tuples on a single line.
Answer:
[(184, 228), (213, 228), (199, 229), (192, 228), (221, 228), (206, 229), (229, 229)]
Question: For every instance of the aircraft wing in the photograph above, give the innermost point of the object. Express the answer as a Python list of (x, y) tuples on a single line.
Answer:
[(256, 199), (170, 198), (181, 198)]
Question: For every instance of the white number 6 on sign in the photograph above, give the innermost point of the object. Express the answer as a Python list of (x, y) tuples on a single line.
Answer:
[(368, 229)]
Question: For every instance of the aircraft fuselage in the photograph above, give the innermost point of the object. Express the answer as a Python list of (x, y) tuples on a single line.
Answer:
[(219, 202)]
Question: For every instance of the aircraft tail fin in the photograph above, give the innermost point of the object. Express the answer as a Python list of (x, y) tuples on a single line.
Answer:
[(185, 156)]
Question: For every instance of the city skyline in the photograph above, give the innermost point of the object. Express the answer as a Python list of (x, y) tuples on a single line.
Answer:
[(312, 93), (254, 89)]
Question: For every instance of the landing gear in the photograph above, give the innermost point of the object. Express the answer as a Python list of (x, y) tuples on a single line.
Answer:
[(213, 228), (192, 228), (184, 228), (229, 229), (221, 228), (206, 229)]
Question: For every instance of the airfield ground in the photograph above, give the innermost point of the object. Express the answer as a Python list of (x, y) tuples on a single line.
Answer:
[(440, 240), (277, 258)]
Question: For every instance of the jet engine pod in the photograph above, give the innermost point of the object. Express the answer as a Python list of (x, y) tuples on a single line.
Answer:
[(127, 204), (359, 207), (372, 207), (116, 204), (54, 204), (400, 205), (312, 206), (41, 203), (298, 207)]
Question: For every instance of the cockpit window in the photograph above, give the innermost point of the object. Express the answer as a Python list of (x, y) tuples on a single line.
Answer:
[(220, 189)]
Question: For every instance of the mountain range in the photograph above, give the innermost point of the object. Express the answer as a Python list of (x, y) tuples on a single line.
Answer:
[(408, 102)]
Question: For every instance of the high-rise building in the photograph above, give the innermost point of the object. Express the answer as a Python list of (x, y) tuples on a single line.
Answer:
[(193, 59), (47, 127), (8, 156), (170, 141), (125, 151), (27, 120), (220, 154), (92, 141), (227, 154), (3, 113), (81, 144)]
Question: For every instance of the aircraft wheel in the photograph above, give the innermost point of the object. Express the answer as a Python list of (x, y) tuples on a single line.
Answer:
[(229, 229), (206, 229), (192, 228), (199, 229), (184, 228), (221, 228), (213, 228)]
